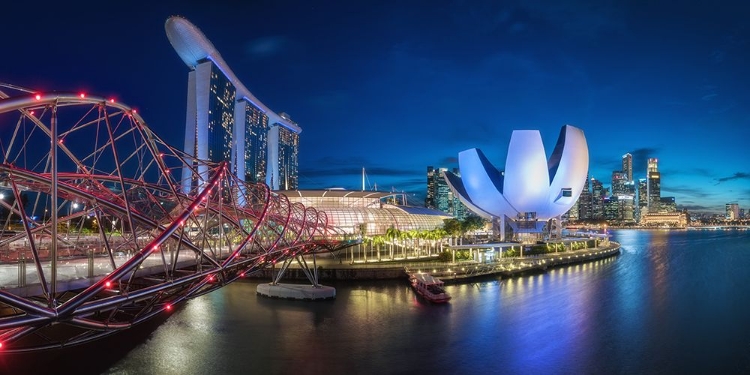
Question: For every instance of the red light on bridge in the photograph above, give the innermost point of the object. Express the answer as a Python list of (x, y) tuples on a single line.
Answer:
[(83, 95), (168, 307), (111, 100), (242, 274), (108, 284), (38, 97)]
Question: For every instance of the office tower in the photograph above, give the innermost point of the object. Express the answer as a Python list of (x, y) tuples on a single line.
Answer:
[(226, 123), (439, 195), (627, 166), (573, 212), (732, 211), (432, 180), (742, 213), (642, 208), (584, 202), (626, 208), (611, 208), (667, 204), (654, 185), (619, 180), (598, 192)]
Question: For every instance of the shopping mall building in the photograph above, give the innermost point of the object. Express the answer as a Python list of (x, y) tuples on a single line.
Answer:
[(368, 213)]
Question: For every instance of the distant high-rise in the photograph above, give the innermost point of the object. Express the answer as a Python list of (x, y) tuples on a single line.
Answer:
[(585, 211), (667, 204), (627, 166), (598, 193), (733, 211), (619, 181), (611, 208), (225, 122), (642, 208), (654, 185), (439, 195)]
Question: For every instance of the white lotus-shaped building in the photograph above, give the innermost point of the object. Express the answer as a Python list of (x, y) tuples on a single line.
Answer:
[(532, 189)]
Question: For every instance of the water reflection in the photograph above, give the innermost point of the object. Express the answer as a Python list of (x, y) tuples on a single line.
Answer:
[(671, 302)]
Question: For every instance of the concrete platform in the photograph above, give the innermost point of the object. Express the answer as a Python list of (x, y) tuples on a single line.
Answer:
[(296, 291)]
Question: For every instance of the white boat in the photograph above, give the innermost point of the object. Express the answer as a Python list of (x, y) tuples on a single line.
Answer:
[(429, 287)]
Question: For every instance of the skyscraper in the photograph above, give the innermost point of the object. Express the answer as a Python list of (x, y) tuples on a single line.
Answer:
[(288, 142), (584, 202), (598, 193), (654, 185), (732, 211), (619, 181), (627, 166), (439, 195), (642, 199), (225, 122), (667, 204)]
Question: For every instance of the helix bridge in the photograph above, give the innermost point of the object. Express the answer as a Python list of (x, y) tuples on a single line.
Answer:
[(103, 225)]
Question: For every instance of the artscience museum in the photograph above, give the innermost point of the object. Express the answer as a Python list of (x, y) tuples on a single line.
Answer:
[(532, 192)]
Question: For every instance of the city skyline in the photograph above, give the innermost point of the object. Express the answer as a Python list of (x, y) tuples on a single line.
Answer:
[(412, 85)]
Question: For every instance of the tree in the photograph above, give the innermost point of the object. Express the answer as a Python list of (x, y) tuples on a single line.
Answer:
[(452, 227), (472, 223)]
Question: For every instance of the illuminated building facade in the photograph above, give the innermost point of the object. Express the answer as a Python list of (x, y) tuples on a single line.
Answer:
[(598, 193), (533, 192), (439, 195), (619, 182), (665, 219), (611, 208), (585, 211), (255, 145), (225, 122), (732, 211), (667, 204), (627, 166), (287, 163), (367, 213), (642, 198), (654, 185)]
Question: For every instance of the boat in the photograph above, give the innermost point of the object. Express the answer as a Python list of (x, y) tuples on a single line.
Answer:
[(429, 287)]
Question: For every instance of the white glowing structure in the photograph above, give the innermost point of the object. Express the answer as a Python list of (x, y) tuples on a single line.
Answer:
[(532, 189)]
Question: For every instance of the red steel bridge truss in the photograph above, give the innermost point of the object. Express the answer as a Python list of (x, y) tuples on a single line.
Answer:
[(98, 232)]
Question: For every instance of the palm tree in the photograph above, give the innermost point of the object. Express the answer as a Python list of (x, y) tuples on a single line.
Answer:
[(403, 235), (378, 240), (392, 233)]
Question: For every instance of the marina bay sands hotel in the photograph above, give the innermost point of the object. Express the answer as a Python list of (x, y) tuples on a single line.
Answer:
[(225, 122)]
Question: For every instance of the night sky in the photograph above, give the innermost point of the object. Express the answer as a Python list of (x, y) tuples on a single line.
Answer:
[(395, 86)]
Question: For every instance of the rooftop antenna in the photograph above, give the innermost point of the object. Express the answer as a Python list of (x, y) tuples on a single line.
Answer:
[(363, 178)]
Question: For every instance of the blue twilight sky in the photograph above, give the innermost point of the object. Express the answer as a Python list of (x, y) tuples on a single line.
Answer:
[(395, 86)]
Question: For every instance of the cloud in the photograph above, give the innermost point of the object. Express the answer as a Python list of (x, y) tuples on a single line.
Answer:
[(687, 190), (695, 208), (265, 47), (709, 96), (449, 160), (736, 176)]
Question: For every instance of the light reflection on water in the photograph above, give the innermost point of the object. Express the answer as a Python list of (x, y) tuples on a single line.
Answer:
[(671, 302)]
